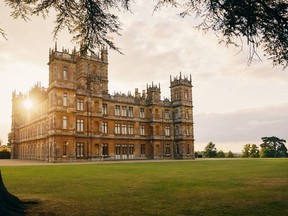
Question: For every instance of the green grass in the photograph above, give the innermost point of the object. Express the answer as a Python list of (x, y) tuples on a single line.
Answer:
[(201, 187)]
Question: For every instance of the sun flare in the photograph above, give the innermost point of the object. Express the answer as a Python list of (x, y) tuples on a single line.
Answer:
[(27, 104)]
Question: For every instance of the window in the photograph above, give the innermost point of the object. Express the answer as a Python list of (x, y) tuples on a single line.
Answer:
[(187, 130), (104, 127), (167, 149), (186, 95), (188, 149), (65, 73), (176, 130), (104, 109), (117, 110), (65, 99), (167, 131), (142, 113), (124, 111), (124, 129), (105, 150), (130, 129), (117, 129), (118, 151), (186, 114), (64, 122), (143, 150), (80, 149), (176, 95), (177, 150), (131, 151), (80, 104), (177, 114), (142, 130), (65, 145), (130, 112), (166, 114), (80, 125)]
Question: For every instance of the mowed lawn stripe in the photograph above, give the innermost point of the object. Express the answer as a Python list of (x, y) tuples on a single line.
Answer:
[(200, 187)]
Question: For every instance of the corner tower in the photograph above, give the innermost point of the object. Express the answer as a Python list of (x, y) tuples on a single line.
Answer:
[(181, 101)]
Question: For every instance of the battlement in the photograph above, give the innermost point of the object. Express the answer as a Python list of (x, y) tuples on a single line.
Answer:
[(181, 81), (153, 88), (65, 54)]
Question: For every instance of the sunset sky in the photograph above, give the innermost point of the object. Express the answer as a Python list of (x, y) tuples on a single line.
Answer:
[(234, 104)]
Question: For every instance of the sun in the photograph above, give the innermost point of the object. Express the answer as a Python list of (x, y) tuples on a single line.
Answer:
[(27, 104)]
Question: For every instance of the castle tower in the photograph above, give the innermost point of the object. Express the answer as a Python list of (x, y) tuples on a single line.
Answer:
[(153, 94), (181, 99)]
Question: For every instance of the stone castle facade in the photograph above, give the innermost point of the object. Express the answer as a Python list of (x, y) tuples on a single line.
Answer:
[(76, 118)]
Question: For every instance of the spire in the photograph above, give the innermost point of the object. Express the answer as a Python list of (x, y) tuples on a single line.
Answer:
[(55, 46)]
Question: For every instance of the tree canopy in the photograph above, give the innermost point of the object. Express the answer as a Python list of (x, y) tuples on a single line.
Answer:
[(273, 147), (210, 150), (259, 23)]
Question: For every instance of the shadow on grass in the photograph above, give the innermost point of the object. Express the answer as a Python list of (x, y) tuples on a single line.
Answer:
[(11, 205)]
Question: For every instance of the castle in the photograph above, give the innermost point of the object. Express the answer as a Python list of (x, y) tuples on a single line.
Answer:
[(76, 118)]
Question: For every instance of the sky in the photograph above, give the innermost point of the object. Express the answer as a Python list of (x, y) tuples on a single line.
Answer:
[(234, 103)]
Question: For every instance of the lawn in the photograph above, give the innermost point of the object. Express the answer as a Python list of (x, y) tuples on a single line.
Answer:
[(200, 187)]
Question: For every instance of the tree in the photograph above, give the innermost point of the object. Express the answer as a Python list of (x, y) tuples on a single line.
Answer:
[(220, 154), (210, 150), (250, 150), (230, 154), (273, 147), (254, 151), (246, 151), (260, 22)]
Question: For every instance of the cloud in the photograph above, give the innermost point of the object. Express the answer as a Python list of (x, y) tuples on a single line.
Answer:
[(242, 125)]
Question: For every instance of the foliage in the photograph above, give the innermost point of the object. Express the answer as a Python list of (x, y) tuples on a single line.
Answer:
[(273, 147), (203, 187), (250, 150), (89, 21), (259, 22), (230, 154), (220, 154), (210, 150)]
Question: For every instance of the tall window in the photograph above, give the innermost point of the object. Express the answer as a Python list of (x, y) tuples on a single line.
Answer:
[(176, 130), (104, 109), (64, 123), (65, 145), (80, 125), (65, 99), (124, 110), (117, 110), (80, 104), (104, 127), (188, 149), (105, 150), (177, 150), (176, 95), (167, 149), (166, 114), (167, 131), (80, 149), (186, 114), (65, 73), (142, 130), (142, 113), (186, 95), (130, 112), (124, 129), (143, 150), (130, 129), (117, 129), (187, 131)]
